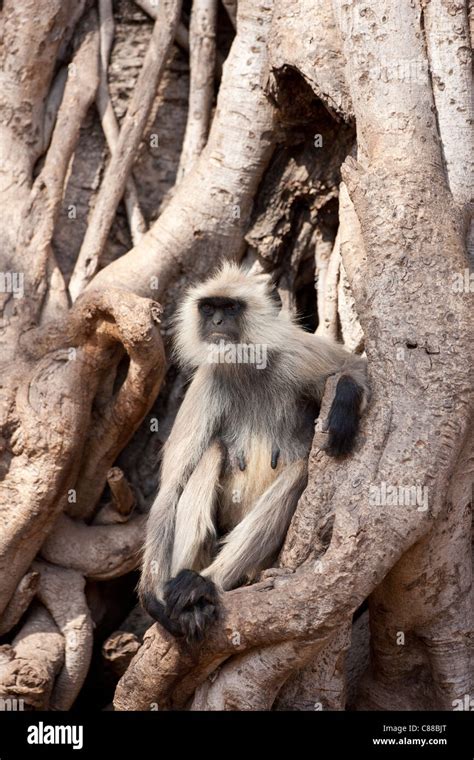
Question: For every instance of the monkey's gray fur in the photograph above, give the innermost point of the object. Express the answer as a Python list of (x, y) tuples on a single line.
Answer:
[(235, 463)]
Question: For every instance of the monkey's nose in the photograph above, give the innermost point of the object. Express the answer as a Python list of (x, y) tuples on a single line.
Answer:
[(217, 319)]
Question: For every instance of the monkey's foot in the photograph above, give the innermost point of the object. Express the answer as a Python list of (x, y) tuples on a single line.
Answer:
[(191, 603)]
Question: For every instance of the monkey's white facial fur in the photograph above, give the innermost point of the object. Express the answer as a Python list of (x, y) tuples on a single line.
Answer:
[(232, 306)]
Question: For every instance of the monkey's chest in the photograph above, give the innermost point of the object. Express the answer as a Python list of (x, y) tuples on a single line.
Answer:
[(258, 448), (247, 474)]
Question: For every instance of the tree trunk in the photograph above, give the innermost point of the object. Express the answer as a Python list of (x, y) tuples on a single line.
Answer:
[(330, 143)]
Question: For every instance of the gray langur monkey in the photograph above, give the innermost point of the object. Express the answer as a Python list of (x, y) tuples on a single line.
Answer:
[(235, 463)]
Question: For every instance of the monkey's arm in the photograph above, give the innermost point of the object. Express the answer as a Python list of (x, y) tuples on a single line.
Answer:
[(195, 531), (191, 548), (321, 358), (189, 438)]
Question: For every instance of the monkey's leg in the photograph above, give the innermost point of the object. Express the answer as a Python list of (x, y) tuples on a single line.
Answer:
[(192, 532), (248, 548), (257, 538), (190, 602)]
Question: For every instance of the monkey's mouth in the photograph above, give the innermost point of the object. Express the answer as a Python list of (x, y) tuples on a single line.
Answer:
[(216, 337)]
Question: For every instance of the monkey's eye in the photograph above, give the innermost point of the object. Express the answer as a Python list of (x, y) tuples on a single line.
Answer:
[(233, 308), (206, 309)]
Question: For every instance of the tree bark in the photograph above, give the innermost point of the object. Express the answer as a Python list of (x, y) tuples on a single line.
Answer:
[(338, 158), (417, 429)]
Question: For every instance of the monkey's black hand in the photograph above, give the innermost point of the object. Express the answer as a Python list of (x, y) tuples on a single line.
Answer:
[(343, 420), (156, 609), (191, 603)]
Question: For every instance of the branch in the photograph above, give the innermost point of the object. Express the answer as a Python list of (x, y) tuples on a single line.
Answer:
[(231, 8), (450, 62), (62, 592), (19, 602), (351, 242), (121, 492), (449, 49), (151, 8), (99, 552), (28, 668), (109, 122), (210, 210), (134, 326), (79, 92), (322, 681), (120, 647), (123, 500), (31, 43), (287, 676), (58, 373), (202, 33), (53, 103), (327, 293), (252, 681), (121, 161), (47, 191)]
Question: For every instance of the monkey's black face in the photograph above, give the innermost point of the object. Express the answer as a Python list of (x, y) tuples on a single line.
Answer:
[(220, 319)]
